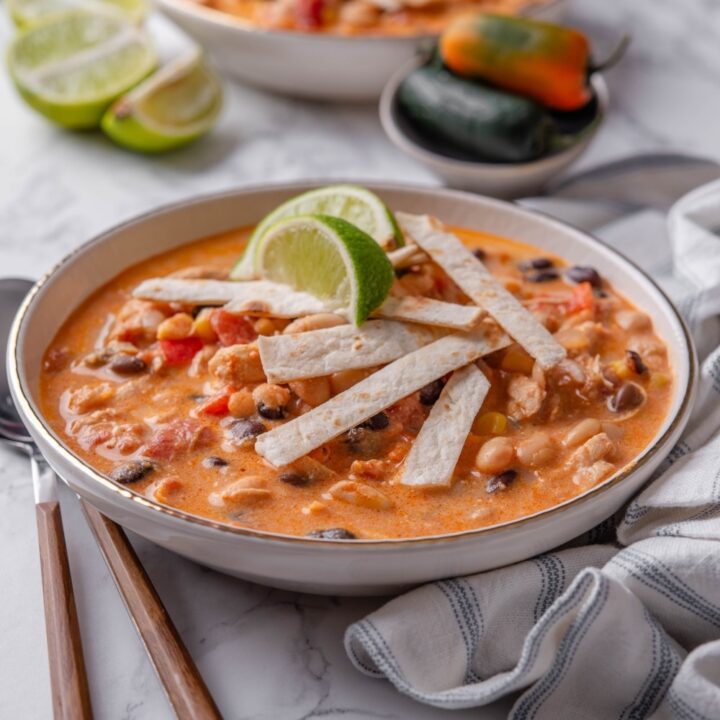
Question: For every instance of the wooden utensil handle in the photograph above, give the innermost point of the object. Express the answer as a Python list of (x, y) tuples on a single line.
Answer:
[(181, 680), (68, 681)]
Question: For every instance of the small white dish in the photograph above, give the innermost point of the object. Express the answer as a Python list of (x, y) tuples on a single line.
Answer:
[(502, 180), (318, 66), (348, 567)]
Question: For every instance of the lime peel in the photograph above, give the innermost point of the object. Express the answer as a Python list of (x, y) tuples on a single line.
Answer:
[(352, 203), (185, 84), (330, 258), (71, 66)]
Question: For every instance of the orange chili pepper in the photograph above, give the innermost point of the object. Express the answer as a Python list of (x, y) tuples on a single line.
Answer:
[(545, 62)]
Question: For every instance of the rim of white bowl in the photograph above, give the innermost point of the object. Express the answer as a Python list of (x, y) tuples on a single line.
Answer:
[(423, 154), (220, 17), (30, 411)]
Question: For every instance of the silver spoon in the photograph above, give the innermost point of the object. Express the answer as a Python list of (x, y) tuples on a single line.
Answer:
[(71, 698), (179, 676)]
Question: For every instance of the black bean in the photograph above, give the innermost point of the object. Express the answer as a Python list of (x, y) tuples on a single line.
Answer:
[(479, 253), (294, 478), (124, 364), (377, 422), (333, 534), (501, 481), (584, 273), (271, 413), (542, 276), (132, 472), (541, 263), (430, 393), (245, 428), (214, 461), (628, 397), (401, 272), (636, 362)]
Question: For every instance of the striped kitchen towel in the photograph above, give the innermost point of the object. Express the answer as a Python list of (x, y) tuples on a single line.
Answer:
[(627, 627)]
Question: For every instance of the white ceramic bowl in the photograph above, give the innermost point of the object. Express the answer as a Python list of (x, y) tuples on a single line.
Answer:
[(503, 180), (319, 66), (346, 567)]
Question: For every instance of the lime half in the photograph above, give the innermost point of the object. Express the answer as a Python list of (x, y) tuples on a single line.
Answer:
[(71, 66), (355, 204), (329, 258), (26, 13), (173, 107)]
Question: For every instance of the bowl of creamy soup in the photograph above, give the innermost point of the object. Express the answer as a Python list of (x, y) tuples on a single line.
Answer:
[(337, 50), (513, 384)]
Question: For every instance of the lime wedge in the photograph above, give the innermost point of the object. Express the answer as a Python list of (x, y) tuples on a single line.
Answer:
[(26, 13), (173, 107), (329, 258), (71, 66), (348, 202)]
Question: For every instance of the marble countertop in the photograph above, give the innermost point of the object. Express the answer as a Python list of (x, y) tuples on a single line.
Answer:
[(265, 654)]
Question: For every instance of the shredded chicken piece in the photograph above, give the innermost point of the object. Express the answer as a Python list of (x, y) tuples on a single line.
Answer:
[(598, 447), (589, 476), (526, 396)]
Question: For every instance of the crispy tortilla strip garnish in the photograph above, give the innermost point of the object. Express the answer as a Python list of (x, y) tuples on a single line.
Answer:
[(427, 311), (474, 279), (406, 256), (344, 347), (435, 452), (264, 297), (256, 297), (286, 443)]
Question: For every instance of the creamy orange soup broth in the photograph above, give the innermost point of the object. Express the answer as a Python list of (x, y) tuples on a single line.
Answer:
[(362, 17), (178, 428)]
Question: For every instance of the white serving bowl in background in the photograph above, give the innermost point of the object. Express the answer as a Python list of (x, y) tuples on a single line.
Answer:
[(317, 66), (502, 180), (358, 567)]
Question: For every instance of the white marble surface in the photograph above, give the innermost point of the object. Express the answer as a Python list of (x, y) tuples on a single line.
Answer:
[(265, 654)]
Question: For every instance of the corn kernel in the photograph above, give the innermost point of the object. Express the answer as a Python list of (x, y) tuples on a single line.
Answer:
[(264, 326), (620, 369), (202, 327), (490, 423), (176, 327), (517, 360), (658, 381)]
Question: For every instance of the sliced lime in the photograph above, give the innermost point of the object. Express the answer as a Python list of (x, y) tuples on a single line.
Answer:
[(329, 258), (71, 66), (173, 107), (348, 202), (26, 13)]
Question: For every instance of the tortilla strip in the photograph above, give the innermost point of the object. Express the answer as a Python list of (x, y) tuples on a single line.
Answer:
[(474, 279), (435, 452), (406, 256), (427, 311), (286, 443), (344, 347), (255, 297), (264, 297)]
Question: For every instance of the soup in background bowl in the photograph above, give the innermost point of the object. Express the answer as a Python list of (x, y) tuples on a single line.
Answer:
[(165, 444)]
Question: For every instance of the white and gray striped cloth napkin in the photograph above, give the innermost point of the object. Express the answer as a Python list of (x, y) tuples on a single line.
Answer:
[(626, 624)]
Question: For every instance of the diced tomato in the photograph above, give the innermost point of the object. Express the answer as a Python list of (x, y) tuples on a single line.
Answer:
[(409, 412), (581, 298), (217, 405), (232, 329), (174, 438), (180, 352), (309, 14)]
